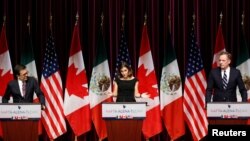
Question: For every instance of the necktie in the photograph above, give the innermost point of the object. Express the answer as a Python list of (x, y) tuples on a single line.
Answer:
[(24, 88), (224, 80)]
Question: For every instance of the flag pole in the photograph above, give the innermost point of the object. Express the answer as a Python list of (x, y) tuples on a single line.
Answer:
[(123, 19), (50, 21), (193, 20), (145, 18), (28, 23), (169, 22), (77, 18), (102, 19)]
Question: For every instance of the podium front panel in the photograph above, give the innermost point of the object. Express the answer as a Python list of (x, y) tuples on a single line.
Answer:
[(20, 121)]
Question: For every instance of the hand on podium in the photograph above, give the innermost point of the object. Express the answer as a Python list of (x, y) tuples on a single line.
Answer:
[(111, 94), (145, 95), (43, 107)]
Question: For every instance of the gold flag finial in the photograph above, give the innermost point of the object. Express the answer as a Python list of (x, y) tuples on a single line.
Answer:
[(77, 18), (169, 22), (123, 19), (145, 18), (50, 21), (102, 19), (242, 18), (221, 16), (28, 23), (4, 20), (193, 19)]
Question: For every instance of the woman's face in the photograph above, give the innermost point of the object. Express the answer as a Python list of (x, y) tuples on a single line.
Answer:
[(124, 72)]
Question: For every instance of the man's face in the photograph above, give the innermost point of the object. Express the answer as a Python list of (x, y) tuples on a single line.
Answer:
[(224, 61), (23, 75)]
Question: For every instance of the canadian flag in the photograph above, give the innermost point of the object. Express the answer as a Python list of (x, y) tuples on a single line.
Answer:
[(148, 85), (219, 47), (6, 73), (76, 100)]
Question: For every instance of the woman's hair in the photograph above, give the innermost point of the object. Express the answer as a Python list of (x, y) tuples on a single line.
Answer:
[(130, 71)]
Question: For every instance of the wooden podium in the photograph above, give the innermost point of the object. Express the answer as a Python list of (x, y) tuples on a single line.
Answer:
[(124, 120), (20, 121), (228, 113)]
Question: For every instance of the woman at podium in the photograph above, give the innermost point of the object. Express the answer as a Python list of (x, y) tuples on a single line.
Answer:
[(126, 85)]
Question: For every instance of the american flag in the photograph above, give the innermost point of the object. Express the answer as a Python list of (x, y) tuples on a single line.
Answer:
[(194, 92), (51, 84), (123, 55)]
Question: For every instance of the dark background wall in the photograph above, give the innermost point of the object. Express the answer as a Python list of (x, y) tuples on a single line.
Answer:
[(63, 11)]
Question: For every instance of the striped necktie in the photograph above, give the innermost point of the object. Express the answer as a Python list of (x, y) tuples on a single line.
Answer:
[(224, 80), (24, 88)]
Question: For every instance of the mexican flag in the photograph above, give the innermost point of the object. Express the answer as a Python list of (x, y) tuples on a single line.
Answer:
[(100, 87), (243, 63), (171, 93), (28, 57)]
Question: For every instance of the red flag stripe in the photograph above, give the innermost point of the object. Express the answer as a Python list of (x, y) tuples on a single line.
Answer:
[(52, 99), (197, 127), (53, 115), (194, 94), (46, 120)]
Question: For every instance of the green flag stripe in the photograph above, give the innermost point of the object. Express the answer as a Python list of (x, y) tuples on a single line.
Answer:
[(243, 53), (169, 53), (27, 52), (101, 50)]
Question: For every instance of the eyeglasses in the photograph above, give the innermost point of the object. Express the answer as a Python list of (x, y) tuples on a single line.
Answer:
[(25, 73)]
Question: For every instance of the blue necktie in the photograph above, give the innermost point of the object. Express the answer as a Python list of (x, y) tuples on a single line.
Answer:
[(224, 80)]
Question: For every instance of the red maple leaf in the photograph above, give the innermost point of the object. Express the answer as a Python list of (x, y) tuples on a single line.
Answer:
[(76, 83), (147, 84), (4, 80)]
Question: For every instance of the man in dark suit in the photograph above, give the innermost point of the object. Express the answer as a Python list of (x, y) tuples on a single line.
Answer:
[(22, 89), (223, 81)]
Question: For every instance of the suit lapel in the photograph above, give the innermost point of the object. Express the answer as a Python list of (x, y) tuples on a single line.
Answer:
[(17, 86), (27, 87), (220, 78), (230, 76)]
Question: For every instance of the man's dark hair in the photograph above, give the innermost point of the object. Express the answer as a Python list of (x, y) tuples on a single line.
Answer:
[(18, 68), (229, 55)]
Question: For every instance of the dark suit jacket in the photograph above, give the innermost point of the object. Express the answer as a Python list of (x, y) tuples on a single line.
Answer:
[(215, 86), (31, 87)]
